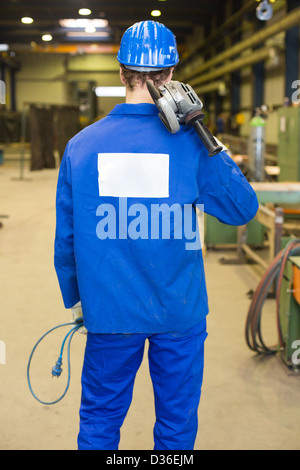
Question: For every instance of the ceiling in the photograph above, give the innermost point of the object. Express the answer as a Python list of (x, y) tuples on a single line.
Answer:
[(180, 16)]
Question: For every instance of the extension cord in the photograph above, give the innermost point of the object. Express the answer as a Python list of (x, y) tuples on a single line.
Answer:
[(57, 368)]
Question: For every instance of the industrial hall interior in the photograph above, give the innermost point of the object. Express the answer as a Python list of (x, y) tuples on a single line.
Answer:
[(235, 92)]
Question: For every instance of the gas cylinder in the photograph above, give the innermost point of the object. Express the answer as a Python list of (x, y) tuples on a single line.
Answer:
[(256, 147)]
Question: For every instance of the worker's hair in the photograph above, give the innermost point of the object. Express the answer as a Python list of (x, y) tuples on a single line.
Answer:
[(133, 77)]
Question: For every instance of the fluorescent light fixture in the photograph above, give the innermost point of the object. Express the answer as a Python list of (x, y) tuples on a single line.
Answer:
[(155, 13), (47, 37), (83, 23), (4, 47), (83, 34), (90, 29), (84, 11), (110, 91), (27, 20)]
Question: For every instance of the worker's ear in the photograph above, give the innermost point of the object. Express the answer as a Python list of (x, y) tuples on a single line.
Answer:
[(170, 76), (121, 76)]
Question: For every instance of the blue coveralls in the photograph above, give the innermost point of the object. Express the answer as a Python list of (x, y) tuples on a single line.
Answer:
[(136, 280)]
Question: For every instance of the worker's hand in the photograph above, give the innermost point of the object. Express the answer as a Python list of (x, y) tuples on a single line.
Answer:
[(77, 316)]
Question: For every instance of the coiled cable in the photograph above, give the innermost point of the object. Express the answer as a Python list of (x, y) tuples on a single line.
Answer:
[(274, 273), (56, 369)]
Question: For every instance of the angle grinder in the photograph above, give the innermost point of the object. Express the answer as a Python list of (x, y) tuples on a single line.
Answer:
[(179, 104)]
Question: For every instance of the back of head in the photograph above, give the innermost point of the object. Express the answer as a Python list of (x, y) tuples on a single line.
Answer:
[(148, 46)]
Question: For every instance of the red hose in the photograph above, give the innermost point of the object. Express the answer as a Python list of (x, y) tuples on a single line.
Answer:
[(260, 293)]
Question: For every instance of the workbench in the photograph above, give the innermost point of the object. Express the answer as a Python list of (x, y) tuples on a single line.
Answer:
[(276, 194)]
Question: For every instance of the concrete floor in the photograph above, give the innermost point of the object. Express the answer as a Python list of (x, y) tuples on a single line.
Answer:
[(247, 402)]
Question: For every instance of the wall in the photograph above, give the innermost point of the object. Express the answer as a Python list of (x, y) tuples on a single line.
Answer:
[(41, 79), (46, 78)]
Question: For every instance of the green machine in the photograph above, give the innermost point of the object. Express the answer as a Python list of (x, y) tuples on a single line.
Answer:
[(289, 313), (289, 144), (216, 233)]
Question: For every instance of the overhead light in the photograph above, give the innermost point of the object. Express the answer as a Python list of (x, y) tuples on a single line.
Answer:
[(155, 13), (27, 20), (47, 37), (110, 91), (83, 34), (4, 47), (90, 29), (83, 23), (84, 11)]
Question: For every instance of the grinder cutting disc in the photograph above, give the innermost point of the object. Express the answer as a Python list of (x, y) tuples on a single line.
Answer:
[(166, 113)]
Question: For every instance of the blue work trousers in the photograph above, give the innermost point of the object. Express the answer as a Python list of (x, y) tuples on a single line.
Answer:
[(110, 366)]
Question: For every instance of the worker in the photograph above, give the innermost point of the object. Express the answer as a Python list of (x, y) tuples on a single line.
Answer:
[(133, 281)]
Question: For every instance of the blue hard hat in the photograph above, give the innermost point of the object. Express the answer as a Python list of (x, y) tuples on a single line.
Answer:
[(148, 45)]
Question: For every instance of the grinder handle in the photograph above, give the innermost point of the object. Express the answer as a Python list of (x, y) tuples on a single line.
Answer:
[(207, 138)]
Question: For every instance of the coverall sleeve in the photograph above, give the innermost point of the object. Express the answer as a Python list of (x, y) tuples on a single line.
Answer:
[(64, 257), (224, 191)]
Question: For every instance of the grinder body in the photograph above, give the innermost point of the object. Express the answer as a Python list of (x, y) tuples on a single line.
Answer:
[(179, 104)]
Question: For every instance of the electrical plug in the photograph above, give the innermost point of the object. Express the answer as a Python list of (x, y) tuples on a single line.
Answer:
[(57, 369)]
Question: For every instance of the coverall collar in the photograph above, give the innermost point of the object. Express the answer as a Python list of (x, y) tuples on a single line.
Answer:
[(140, 108)]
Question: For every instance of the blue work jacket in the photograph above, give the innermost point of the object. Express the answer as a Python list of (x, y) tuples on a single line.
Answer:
[(125, 187)]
